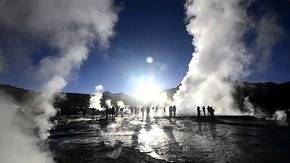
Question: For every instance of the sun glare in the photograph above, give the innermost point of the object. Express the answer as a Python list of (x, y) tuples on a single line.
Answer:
[(147, 91)]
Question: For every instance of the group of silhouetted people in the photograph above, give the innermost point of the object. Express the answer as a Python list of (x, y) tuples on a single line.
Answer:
[(172, 111), (210, 112), (111, 112)]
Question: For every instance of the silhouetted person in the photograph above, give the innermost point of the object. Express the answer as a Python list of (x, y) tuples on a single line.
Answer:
[(107, 112), (174, 110), (131, 109), (170, 111), (142, 111), (121, 111), (117, 110), (208, 110), (113, 112), (198, 112), (135, 110), (287, 116), (203, 110), (147, 111), (153, 110), (156, 110), (212, 113)]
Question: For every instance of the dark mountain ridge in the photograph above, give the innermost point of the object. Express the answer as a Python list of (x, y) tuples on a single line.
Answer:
[(266, 96)]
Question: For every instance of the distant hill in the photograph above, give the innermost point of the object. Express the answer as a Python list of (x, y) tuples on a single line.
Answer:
[(267, 96), (68, 99), (19, 94)]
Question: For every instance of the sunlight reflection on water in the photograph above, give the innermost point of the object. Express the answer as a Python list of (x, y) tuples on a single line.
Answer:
[(151, 138)]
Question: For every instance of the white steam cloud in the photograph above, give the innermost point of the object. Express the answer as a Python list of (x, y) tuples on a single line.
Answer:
[(251, 110), (120, 104), (109, 103), (95, 100), (68, 26), (217, 29), (15, 139), (279, 115)]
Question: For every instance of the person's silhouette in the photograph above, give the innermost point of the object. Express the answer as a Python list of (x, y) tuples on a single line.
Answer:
[(198, 112), (107, 112), (147, 111), (203, 109), (142, 111), (121, 111), (174, 110), (212, 113)]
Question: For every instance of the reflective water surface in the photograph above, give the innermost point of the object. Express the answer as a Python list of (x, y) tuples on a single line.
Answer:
[(174, 140)]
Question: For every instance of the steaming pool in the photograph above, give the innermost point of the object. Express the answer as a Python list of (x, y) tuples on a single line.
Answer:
[(230, 139)]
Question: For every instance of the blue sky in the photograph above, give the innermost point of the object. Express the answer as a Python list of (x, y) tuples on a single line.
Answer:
[(145, 28)]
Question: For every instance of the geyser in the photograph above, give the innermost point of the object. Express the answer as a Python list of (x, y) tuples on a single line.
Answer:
[(95, 100), (221, 56), (217, 28)]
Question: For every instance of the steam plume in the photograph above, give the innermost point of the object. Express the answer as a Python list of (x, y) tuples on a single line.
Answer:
[(120, 104), (95, 100), (217, 29), (109, 103), (251, 110), (279, 115), (15, 139), (68, 26)]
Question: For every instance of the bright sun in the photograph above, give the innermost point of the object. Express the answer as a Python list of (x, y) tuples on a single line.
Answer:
[(147, 91)]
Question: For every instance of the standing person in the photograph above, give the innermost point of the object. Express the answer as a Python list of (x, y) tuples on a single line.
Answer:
[(131, 109), (174, 110), (156, 110), (117, 110), (287, 116), (113, 112), (153, 110), (135, 110), (198, 112), (107, 112), (212, 113), (142, 111), (170, 111), (208, 110), (147, 111), (203, 110), (121, 111)]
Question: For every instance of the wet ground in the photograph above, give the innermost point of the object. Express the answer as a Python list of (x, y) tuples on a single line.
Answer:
[(170, 140)]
